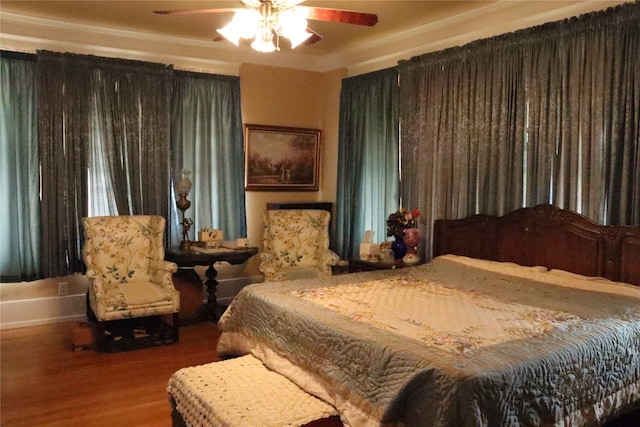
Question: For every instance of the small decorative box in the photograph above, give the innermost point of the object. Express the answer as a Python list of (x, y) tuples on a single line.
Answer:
[(210, 235)]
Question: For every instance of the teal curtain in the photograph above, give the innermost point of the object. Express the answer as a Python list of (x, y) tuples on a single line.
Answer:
[(101, 128), (63, 104), (129, 137), (368, 159), (91, 107), (549, 114), (19, 174), (206, 139)]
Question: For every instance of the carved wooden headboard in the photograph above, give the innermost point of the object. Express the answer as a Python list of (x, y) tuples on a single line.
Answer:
[(545, 235)]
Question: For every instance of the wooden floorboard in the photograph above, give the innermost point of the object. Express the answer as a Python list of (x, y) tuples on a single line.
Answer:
[(44, 382)]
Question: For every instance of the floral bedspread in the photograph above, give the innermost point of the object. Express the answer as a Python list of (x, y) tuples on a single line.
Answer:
[(455, 342), (453, 320)]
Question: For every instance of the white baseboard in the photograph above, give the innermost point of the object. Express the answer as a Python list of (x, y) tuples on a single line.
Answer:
[(228, 288), (40, 311)]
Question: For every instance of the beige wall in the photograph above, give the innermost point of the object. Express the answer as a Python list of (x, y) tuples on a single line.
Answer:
[(270, 96), (285, 97)]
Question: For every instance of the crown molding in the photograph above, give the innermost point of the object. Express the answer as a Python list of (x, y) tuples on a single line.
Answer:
[(459, 30), (27, 34)]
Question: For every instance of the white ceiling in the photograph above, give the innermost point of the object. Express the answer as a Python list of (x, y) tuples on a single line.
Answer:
[(129, 29)]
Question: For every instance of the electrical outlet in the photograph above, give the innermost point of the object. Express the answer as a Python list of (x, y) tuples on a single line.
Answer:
[(63, 289)]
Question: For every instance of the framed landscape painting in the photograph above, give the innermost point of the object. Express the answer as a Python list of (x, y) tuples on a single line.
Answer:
[(281, 158)]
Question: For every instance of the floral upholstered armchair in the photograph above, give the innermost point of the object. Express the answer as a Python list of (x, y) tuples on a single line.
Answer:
[(129, 277), (296, 244)]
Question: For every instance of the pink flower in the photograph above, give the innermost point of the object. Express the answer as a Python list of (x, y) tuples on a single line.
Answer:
[(401, 219)]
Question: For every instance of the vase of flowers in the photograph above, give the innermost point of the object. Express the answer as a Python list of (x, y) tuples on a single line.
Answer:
[(412, 237), (397, 224)]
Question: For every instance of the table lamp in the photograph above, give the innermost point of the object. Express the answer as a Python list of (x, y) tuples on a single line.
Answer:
[(182, 186)]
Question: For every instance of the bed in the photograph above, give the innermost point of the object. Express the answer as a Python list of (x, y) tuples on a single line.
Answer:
[(532, 318)]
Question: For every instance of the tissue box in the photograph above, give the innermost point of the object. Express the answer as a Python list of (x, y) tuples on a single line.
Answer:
[(210, 235), (369, 250)]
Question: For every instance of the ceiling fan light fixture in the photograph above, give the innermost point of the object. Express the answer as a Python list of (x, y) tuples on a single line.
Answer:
[(243, 25), (264, 23), (298, 38), (230, 33), (292, 24), (264, 20), (262, 44)]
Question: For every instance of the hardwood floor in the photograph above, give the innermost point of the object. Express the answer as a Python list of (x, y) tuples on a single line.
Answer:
[(44, 382)]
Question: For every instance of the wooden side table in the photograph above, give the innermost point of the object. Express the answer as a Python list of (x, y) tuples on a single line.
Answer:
[(340, 269), (189, 259), (357, 265)]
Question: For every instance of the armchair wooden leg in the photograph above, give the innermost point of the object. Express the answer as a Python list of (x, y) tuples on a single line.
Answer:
[(101, 336), (100, 330), (175, 324), (90, 315)]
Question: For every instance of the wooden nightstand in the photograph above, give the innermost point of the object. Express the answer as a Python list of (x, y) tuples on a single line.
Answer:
[(341, 268), (357, 265)]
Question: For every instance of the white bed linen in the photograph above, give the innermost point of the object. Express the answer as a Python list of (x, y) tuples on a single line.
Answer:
[(455, 342)]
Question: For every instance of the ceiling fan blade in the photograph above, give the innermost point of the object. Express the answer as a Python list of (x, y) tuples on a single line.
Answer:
[(190, 11), (339, 15), (313, 38)]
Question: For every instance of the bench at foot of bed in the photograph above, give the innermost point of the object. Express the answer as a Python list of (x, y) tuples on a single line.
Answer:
[(243, 392)]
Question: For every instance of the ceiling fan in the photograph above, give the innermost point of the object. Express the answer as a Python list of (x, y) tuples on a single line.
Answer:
[(264, 20)]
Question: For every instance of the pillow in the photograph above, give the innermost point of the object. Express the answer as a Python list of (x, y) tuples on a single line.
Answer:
[(499, 266), (563, 273)]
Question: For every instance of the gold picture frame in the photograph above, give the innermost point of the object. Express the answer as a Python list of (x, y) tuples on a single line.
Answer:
[(281, 158)]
